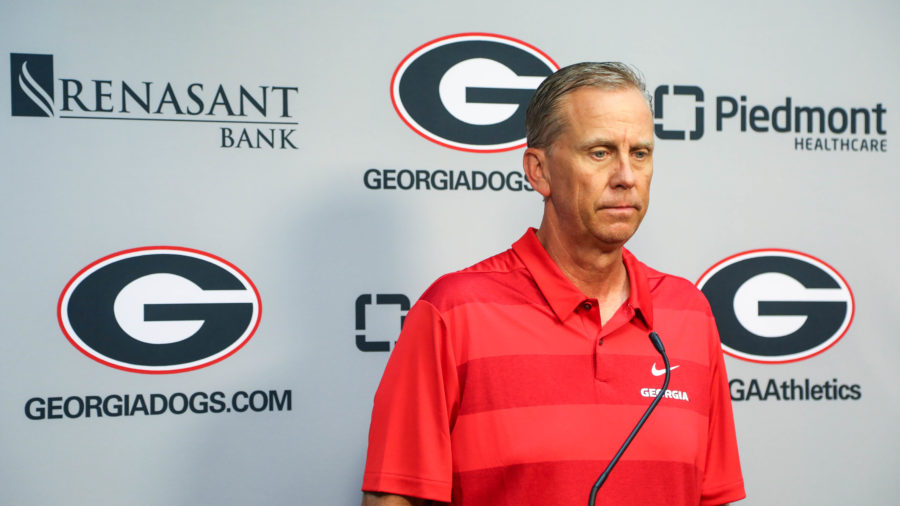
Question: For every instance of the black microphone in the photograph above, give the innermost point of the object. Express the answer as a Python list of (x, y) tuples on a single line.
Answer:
[(657, 343)]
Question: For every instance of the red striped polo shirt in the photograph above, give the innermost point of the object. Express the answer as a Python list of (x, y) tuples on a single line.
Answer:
[(504, 389)]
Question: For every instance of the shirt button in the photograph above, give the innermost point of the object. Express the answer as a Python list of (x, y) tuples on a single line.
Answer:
[(587, 306)]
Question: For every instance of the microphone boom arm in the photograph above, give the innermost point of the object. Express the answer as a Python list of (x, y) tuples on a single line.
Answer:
[(657, 343)]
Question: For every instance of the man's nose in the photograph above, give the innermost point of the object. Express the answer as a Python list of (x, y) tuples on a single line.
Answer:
[(623, 175)]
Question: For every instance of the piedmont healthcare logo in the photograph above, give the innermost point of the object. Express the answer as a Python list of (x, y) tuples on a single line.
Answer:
[(34, 92), (160, 309), (386, 309), (775, 306), (680, 113), (659, 95)]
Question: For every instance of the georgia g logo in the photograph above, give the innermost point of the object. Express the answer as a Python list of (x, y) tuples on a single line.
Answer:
[(469, 91), (777, 306), (159, 310)]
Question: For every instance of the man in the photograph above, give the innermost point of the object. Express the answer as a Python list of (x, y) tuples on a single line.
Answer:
[(515, 381)]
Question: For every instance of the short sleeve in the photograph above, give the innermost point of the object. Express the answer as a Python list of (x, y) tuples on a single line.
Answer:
[(409, 449), (722, 481)]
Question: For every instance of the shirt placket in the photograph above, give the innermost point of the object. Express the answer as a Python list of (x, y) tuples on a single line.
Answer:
[(588, 313), (602, 372)]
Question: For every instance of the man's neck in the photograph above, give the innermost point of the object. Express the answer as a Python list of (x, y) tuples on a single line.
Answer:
[(598, 271)]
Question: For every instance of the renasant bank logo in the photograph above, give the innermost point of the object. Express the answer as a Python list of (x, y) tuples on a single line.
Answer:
[(680, 113), (257, 117), (31, 84)]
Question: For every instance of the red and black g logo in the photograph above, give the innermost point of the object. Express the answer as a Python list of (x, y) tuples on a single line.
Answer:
[(776, 306), (159, 310), (469, 91)]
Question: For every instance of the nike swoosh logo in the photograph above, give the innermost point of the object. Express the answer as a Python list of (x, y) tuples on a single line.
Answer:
[(659, 372)]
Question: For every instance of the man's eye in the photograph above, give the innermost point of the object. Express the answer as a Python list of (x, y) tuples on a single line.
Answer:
[(599, 154), (640, 155)]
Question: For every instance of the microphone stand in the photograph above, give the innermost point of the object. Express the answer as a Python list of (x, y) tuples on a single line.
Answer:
[(657, 343)]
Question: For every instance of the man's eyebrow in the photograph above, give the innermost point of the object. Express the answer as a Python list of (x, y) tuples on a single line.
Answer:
[(598, 142), (609, 143)]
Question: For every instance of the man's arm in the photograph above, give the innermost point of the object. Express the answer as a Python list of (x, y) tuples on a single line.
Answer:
[(376, 499)]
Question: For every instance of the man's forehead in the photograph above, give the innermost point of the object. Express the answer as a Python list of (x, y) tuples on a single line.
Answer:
[(617, 111), (596, 99)]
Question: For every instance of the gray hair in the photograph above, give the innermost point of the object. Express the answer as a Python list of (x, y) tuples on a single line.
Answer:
[(543, 123)]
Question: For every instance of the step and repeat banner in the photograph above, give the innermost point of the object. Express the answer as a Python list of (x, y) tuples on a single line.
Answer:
[(217, 215)]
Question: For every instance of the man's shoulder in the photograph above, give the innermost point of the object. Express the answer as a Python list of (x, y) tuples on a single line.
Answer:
[(674, 291), (490, 280)]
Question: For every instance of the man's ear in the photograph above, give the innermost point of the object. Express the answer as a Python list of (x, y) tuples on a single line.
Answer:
[(534, 162)]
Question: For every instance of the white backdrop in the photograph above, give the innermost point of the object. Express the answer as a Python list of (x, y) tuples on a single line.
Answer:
[(303, 226)]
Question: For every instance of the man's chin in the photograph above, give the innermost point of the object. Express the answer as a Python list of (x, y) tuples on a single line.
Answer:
[(615, 236)]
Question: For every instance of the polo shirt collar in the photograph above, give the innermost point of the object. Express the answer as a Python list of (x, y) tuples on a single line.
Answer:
[(563, 296)]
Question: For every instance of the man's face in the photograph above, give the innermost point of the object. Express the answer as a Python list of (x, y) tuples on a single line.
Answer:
[(599, 168)]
